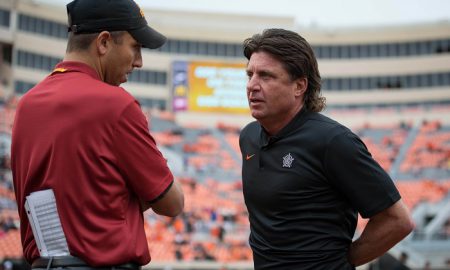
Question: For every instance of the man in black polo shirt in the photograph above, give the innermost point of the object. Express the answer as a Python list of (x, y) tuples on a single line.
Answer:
[(305, 176)]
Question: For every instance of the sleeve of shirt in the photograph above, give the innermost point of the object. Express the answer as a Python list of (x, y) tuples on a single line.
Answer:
[(353, 172), (139, 160)]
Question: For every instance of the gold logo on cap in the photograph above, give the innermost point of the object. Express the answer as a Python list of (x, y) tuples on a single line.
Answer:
[(140, 9)]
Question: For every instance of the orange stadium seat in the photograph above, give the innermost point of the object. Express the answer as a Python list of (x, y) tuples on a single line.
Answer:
[(10, 245)]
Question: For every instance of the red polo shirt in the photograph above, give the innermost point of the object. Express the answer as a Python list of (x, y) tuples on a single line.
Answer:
[(89, 142)]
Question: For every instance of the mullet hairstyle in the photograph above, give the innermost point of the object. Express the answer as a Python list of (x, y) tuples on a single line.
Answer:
[(297, 57)]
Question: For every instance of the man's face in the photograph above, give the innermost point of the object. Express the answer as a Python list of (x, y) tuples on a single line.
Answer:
[(124, 56), (273, 97)]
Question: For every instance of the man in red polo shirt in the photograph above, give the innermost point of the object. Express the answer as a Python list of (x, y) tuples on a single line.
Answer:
[(81, 135)]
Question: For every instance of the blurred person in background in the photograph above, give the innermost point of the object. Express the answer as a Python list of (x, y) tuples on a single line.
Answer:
[(82, 135), (305, 176)]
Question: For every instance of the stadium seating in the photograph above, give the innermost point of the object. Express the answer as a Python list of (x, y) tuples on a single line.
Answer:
[(214, 225)]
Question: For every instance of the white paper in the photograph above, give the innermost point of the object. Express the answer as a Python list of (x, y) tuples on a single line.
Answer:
[(45, 223)]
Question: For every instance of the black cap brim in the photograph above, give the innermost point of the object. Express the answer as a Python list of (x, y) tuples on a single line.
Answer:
[(148, 37)]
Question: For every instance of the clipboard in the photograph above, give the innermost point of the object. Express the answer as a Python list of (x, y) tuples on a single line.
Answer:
[(46, 224)]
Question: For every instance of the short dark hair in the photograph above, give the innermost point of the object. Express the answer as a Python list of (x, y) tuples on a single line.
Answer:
[(81, 42), (297, 57)]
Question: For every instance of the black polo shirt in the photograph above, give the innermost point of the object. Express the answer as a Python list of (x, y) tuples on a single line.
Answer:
[(304, 188)]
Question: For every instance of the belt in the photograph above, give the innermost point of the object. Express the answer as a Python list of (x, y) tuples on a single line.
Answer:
[(74, 262)]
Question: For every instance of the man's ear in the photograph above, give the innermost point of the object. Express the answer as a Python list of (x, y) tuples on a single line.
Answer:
[(103, 42), (301, 86)]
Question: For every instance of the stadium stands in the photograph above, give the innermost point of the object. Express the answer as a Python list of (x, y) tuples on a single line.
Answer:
[(214, 225), (390, 85)]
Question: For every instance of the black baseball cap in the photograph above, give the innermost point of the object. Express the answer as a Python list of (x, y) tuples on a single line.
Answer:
[(94, 16)]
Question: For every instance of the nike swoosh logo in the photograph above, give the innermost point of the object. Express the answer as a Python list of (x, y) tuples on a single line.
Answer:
[(249, 157)]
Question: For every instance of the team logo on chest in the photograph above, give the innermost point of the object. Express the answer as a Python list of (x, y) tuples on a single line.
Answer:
[(287, 161)]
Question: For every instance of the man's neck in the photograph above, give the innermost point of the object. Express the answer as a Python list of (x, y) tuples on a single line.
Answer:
[(274, 126), (85, 58)]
